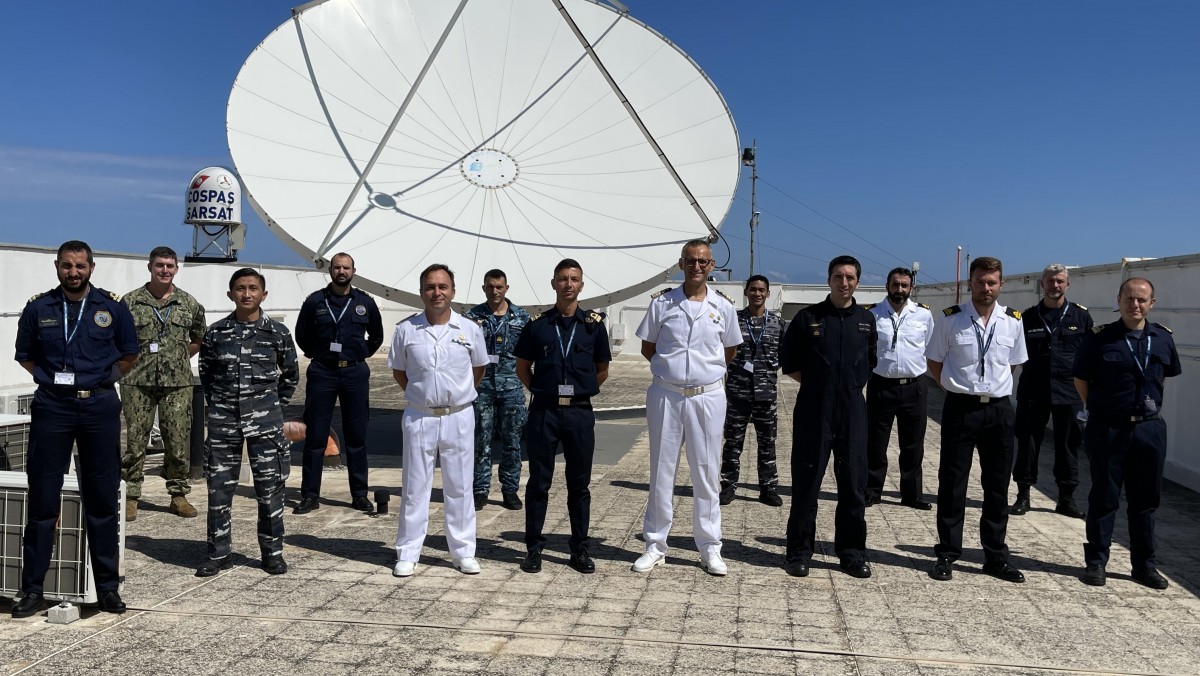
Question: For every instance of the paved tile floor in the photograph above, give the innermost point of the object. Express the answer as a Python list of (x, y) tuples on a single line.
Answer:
[(339, 610)]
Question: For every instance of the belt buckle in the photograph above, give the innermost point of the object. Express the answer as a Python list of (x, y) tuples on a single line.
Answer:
[(693, 391), (984, 399), (440, 410), (342, 363), (564, 401), (83, 394), (904, 381), (1136, 418)]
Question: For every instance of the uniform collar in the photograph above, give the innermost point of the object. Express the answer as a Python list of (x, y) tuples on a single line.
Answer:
[(710, 296), (263, 322), (92, 296), (844, 312), (330, 294), (553, 312), (456, 320)]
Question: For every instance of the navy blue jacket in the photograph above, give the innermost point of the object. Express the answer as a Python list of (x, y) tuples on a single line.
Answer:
[(100, 336)]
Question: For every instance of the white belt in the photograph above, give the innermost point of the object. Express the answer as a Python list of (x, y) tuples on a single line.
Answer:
[(439, 411), (689, 391)]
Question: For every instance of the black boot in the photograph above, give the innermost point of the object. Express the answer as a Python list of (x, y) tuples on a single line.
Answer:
[(1021, 504), (1066, 504)]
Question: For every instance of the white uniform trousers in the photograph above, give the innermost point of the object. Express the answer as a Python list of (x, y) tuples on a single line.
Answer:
[(697, 423), (426, 437)]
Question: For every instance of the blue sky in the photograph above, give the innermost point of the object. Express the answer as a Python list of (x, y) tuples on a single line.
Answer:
[(1030, 130)]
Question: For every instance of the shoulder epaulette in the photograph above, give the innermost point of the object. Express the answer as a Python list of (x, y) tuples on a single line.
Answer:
[(36, 296), (868, 306), (536, 317), (656, 294), (922, 305), (1081, 307), (952, 310), (114, 296), (1015, 314), (722, 294), (1099, 327), (593, 317), (1163, 327), (408, 318)]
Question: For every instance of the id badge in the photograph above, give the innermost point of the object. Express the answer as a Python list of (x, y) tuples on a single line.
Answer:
[(749, 366), (1150, 406), (64, 378), (982, 387), (493, 359), (566, 390), (153, 348), (335, 347)]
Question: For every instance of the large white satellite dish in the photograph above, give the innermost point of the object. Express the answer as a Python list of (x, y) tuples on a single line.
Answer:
[(490, 134)]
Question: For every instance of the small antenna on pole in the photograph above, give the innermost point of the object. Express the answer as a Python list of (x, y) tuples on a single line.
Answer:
[(750, 159)]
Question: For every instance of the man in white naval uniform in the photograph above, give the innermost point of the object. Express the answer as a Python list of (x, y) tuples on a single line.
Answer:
[(689, 334), (438, 357)]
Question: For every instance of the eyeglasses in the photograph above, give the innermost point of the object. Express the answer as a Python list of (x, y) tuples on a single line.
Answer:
[(693, 262)]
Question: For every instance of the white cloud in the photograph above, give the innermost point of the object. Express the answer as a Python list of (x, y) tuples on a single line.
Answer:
[(78, 176)]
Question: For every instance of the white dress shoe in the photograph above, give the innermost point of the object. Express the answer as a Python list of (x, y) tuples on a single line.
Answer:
[(404, 568), (713, 564), (646, 562), (468, 565)]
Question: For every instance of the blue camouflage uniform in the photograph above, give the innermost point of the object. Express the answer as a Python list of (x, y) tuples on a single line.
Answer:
[(500, 399), (1126, 436), (752, 397), (249, 372), (74, 347), (352, 322)]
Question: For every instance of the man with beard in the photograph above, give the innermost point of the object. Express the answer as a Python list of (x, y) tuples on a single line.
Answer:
[(338, 329), (1054, 330), (829, 349), (898, 390), (170, 325), (973, 351), (76, 341)]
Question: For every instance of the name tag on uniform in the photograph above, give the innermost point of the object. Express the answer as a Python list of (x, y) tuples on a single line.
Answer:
[(566, 390), (335, 347), (153, 348), (493, 359), (749, 366), (64, 378), (982, 387)]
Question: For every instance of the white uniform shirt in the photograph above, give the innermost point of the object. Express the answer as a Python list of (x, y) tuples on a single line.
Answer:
[(438, 359), (902, 339), (955, 343), (690, 349)]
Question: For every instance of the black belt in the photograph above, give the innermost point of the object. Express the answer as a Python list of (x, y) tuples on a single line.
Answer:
[(1119, 420), (558, 402), (895, 381), (977, 398), (338, 363), (67, 392)]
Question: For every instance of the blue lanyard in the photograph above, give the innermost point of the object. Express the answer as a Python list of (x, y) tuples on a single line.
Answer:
[(338, 322), (983, 347), (1141, 366), (896, 328), (496, 325), (567, 349), (162, 321), (78, 320), (755, 341), (1058, 322)]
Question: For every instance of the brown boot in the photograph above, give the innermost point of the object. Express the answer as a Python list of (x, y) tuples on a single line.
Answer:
[(181, 506), (130, 510)]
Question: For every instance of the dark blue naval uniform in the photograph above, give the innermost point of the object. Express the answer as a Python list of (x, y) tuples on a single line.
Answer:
[(325, 321), (564, 352), (1126, 437), (834, 351), (1046, 390), (74, 348)]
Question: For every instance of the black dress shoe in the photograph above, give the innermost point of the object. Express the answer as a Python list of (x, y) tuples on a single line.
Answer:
[(480, 501), (510, 501), (213, 566), (274, 565), (796, 568), (725, 497), (942, 570), (308, 505), (1094, 575), (110, 602), (859, 569), (1020, 506), (873, 500), (1002, 570), (916, 503), (769, 497), (532, 562), (583, 563), (1151, 578), (362, 504), (28, 606), (1066, 507)]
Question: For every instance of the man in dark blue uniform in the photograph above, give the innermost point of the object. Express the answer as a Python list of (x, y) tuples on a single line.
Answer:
[(1119, 372), (338, 328), (1054, 329), (830, 349), (77, 341), (562, 357)]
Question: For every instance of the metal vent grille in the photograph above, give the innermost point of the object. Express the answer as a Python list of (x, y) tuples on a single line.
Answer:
[(14, 444)]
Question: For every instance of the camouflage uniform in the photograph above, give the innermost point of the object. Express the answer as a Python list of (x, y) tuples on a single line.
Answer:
[(500, 398), (752, 397), (161, 379), (249, 372)]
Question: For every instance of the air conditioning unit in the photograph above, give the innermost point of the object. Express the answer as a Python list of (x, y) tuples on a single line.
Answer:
[(14, 442), (70, 577), (16, 400)]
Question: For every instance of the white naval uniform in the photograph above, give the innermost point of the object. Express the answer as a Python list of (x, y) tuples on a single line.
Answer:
[(438, 361), (955, 344), (903, 355), (690, 342)]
